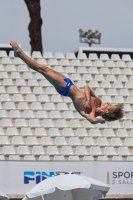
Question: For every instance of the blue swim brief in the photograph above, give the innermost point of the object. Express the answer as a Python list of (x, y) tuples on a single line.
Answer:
[(69, 83)]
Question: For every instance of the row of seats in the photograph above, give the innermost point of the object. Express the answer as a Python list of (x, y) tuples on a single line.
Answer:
[(63, 158), (49, 106), (10, 63), (66, 150), (66, 132), (28, 79), (61, 141), (71, 70), (62, 123), (41, 114), (60, 55), (100, 91)]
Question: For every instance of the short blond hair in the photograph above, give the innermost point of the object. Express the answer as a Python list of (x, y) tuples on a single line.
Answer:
[(114, 113)]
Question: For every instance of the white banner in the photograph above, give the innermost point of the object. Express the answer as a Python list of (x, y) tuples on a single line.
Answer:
[(19, 177)]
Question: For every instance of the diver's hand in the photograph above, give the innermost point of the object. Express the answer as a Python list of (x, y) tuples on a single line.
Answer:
[(87, 107)]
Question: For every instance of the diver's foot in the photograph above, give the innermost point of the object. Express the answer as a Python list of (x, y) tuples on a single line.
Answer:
[(16, 48)]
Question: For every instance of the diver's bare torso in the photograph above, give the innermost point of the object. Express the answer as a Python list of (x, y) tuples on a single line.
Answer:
[(79, 100)]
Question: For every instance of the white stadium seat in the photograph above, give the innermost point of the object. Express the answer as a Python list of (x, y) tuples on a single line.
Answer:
[(98, 63), (33, 123), (36, 54), (109, 151), (102, 141), (5, 97), (117, 158), (22, 68), (74, 141), (6, 61), (60, 141), (18, 61), (41, 61), (67, 150), (99, 77), (38, 150), (17, 140), (70, 56), (4, 140), (116, 71), (29, 157), (81, 151), (14, 157), (76, 63), (22, 105), (75, 123), (95, 132), (115, 57), (120, 64), (67, 132), (23, 150), (93, 56), (103, 158), (73, 158), (48, 123), (123, 151), (104, 57), (26, 131), (52, 150), (59, 55), (15, 114), (44, 157), (59, 158), (28, 114), (49, 106), (8, 150), (3, 54), (20, 82), (95, 151), (122, 133), (88, 158), (47, 55), (31, 141), (82, 56), (88, 141), (117, 85), (20, 123), (110, 64), (126, 57), (55, 114), (128, 142), (46, 141), (25, 90), (8, 82), (64, 62), (10, 68), (39, 132), (61, 123), (6, 123), (41, 114), (54, 132), (11, 131), (116, 142), (30, 98), (87, 63), (36, 106), (27, 75), (53, 62), (87, 77)]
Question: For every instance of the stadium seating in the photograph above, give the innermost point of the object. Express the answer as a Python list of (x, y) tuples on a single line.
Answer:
[(39, 124)]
